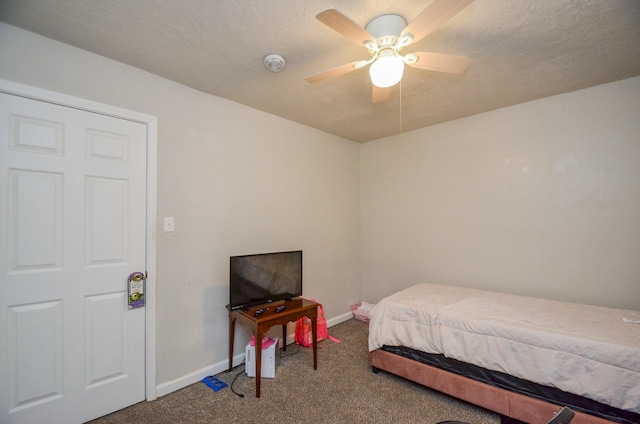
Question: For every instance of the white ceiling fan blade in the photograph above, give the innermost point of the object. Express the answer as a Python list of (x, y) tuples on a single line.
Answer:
[(439, 62), (338, 70), (431, 18), (345, 26), (380, 95)]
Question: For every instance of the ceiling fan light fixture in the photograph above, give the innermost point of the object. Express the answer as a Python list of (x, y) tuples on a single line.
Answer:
[(386, 71)]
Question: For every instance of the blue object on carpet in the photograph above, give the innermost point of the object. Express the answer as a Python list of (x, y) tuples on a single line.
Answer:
[(213, 382)]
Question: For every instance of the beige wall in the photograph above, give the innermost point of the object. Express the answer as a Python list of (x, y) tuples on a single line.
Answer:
[(236, 180), (541, 199)]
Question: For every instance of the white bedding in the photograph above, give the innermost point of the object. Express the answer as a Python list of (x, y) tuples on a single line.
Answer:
[(586, 350)]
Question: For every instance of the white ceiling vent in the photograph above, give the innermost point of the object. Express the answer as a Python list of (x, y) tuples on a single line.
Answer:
[(274, 62)]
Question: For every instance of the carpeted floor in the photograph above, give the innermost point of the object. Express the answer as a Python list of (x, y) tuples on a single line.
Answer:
[(342, 390)]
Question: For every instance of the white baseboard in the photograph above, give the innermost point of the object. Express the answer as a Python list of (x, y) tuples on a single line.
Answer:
[(339, 319), (194, 377)]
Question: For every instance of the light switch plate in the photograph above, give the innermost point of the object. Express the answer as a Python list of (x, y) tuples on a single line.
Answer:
[(168, 224)]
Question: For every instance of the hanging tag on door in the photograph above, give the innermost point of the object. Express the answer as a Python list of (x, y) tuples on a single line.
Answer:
[(135, 290)]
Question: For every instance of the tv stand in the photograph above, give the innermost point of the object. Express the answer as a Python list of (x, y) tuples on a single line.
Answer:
[(261, 323)]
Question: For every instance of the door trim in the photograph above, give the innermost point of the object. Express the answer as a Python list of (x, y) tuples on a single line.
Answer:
[(151, 122)]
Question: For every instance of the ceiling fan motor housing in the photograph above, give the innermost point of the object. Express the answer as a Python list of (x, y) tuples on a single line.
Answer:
[(386, 29)]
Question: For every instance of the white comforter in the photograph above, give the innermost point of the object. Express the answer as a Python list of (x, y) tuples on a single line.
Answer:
[(586, 350)]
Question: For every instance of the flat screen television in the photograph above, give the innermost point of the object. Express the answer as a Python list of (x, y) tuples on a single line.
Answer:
[(263, 278)]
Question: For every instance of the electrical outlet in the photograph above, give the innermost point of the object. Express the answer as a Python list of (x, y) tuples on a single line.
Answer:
[(168, 224)]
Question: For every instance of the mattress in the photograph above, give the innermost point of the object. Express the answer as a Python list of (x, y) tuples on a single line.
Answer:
[(586, 350)]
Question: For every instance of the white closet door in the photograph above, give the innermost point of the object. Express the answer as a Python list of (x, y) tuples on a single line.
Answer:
[(72, 228)]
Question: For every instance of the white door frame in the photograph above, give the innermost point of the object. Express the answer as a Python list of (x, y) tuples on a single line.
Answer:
[(151, 123)]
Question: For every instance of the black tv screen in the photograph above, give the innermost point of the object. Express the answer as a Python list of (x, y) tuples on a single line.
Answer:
[(264, 277)]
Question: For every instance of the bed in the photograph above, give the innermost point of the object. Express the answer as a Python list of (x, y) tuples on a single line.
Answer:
[(521, 357)]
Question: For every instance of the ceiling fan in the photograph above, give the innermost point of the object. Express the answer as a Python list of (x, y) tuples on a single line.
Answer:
[(385, 36)]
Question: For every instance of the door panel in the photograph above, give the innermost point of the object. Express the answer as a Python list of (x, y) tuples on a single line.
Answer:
[(34, 359), (35, 232), (73, 213), (106, 221)]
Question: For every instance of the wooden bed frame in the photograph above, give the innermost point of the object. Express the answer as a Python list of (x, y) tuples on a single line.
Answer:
[(512, 407)]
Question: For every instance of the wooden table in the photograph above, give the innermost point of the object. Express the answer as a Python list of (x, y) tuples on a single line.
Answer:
[(261, 323)]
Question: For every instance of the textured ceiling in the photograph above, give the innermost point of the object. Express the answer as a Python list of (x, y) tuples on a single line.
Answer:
[(520, 49)]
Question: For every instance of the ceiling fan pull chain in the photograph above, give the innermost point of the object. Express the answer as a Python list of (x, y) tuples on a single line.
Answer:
[(400, 106)]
